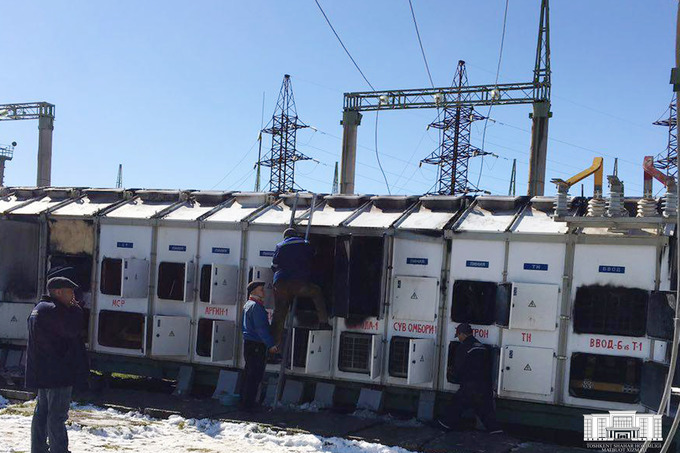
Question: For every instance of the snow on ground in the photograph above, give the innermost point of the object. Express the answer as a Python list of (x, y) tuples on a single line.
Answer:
[(96, 429)]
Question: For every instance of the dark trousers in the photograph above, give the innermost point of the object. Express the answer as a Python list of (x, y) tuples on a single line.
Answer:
[(255, 354), (476, 398), (49, 420), (284, 292)]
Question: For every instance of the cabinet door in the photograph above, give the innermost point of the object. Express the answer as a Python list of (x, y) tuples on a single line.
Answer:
[(265, 275), (170, 336), (189, 281), (527, 370), (135, 278), (375, 364), (223, 337), (415, 298), (420, 355), (534, 306), (13, 316), (318, 351), (223, 284)]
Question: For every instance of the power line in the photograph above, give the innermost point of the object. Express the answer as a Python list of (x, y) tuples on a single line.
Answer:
[(235, 166), (377, 155), (420, 42), (343, 45), (498, 71)]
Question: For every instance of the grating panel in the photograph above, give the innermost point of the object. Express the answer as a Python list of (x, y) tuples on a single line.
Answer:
[(355, 352)]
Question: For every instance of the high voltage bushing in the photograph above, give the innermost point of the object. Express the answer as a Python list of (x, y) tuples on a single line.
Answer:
[(615, 206), (597, 206), (561, 204), (647, 207), (670, 204)]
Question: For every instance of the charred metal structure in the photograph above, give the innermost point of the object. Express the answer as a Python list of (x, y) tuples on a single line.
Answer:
[(455, 151), (284, 154)]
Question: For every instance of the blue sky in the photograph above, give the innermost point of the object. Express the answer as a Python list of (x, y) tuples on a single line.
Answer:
[(173, 89)]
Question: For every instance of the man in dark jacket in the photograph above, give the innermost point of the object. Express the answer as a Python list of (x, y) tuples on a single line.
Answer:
[(292, 265), (54, 362), (472, 369), (257, 340)]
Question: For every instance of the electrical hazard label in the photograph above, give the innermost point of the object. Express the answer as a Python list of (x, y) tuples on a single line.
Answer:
[(532, 304), (14, 319), (414, 296), (422, 358), (527, 368), (172, 334)]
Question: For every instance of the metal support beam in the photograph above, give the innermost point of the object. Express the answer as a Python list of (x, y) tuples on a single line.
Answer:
[(351, 119), (45, 128), (539, 148)]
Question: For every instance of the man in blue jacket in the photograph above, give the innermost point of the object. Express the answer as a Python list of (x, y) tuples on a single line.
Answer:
[(54, 362), (257, 340), (292, 265), (471, 367)]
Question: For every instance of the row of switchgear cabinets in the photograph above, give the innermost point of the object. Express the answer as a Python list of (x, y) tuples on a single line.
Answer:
[(129, 278)]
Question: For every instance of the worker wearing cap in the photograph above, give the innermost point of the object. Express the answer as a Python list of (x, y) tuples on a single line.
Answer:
[(257, 340), (54, 363), (471, 367), (292, 265)]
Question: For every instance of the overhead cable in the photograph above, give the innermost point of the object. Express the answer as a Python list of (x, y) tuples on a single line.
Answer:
[(498, 71), (343, 45), (420, 42)]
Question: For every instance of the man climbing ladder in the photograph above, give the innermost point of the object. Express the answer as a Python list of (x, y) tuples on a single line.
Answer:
[(292, 265)]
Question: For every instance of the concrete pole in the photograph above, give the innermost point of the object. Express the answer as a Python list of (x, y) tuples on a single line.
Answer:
[(539, 148), (351, 119), (2, 172), (45, 128)]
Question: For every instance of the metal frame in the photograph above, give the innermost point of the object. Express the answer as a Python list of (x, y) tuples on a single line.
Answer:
[(536, 92)]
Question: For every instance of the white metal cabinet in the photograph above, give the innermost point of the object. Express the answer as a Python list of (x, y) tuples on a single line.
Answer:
[(170, 335), (527, 369), (266, 275), (223, 336), (223, 284), (415, 298), (534, 306), (420, 355), (135, 278), (318, 351), (13, 317)]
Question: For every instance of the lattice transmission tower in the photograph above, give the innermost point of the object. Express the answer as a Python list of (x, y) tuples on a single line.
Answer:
[(283, 155), (667, 161), (454, 153)]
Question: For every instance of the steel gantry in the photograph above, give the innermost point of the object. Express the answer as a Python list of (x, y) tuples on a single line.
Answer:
[(44, 113), (536, 92)]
